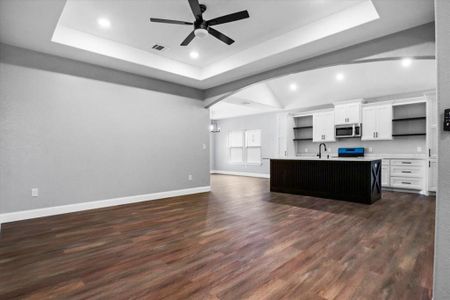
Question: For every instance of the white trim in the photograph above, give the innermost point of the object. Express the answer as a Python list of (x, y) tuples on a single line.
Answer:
[(247, 174), (57, 210)]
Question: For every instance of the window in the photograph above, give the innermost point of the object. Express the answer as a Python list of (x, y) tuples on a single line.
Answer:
[(235, 146), (244, 147), (253, 146)]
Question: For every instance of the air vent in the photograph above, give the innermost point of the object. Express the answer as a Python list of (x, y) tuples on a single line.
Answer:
[(158, 47)]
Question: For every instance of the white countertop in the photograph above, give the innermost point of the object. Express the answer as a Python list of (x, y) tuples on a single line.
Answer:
[(332, 158), (377, 156)]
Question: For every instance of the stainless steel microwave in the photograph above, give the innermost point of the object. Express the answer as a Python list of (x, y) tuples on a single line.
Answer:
[(351, 130)]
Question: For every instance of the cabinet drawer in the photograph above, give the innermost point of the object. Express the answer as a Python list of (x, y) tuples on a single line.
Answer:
[(406, 171), (406, 183), (406, 162)]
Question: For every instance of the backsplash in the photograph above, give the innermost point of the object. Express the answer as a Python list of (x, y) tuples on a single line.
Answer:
[(400, 145)]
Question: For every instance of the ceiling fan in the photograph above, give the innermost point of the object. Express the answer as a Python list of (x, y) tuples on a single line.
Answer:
[(203, 27)]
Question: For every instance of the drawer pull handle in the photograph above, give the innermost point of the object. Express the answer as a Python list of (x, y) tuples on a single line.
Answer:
[(408, 172), (404, 182), (406, 162)]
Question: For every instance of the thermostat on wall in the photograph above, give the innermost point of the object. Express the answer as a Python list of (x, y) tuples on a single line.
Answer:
[(447, 120)]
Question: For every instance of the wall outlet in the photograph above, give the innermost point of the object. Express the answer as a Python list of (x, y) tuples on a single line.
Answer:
[(306, 150), (34, 192), (204, 146), (419, 149), (370, 149), (190, 177)]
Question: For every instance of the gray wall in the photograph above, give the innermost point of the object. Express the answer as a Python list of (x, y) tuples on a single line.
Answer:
[(442, 246), (265, 122), (80, 139)]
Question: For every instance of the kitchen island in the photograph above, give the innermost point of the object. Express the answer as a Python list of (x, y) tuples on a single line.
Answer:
[(349, 179)]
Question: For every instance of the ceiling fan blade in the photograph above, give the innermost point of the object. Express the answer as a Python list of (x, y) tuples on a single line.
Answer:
[(158, 20), (188, 39), (220, 36), (229, 18), (196, 10)]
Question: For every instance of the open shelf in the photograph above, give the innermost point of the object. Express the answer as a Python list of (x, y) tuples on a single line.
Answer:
[(409, 119), (409, 134), (302, 127)]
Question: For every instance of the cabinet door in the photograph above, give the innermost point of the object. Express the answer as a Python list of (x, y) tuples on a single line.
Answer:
[(340, 114), (328, 126), (369, 122), (384, 122), (317, 128), (353, 113), (385, 177)]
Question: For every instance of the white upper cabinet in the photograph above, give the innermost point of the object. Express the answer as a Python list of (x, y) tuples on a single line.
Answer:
[(323, 127), (377, 122), (384, 122), (349, 113)]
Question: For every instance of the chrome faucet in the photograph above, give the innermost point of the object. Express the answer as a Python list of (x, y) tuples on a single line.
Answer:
[(320, 149)]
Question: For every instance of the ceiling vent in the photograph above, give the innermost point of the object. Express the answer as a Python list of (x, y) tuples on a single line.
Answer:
[(158, 47)]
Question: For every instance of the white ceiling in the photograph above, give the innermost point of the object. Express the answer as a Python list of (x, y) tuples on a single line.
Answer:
[(131, 24), (278, 32), (320, 87)]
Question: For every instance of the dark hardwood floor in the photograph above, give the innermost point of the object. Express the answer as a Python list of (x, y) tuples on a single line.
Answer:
[(239, 241)]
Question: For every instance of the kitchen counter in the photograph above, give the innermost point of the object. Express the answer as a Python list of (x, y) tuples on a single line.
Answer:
[(332, 158), (349, 179)]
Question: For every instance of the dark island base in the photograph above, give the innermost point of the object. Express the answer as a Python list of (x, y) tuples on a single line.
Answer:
[(354, 181)]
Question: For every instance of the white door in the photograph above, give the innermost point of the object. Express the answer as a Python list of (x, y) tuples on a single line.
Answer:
[(369, 122), (340, 114), (384, 123)]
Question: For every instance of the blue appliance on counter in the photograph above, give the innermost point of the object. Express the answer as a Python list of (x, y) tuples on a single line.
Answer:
[(351, 152)]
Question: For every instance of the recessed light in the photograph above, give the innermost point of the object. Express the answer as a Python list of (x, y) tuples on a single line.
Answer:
[(406, 62), (293, 87), (103, 23), (340, 76), (194, 54)]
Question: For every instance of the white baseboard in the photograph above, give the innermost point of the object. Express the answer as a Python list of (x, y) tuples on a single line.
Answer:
[(57, 210), (248, 174)]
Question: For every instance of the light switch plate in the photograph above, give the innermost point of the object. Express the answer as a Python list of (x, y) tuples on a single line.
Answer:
[(34, 192)]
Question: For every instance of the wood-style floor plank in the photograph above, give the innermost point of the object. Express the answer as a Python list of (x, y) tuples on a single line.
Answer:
[(237, 242)]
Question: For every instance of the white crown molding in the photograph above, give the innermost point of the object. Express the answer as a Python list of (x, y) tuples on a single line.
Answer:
[(57, 210)]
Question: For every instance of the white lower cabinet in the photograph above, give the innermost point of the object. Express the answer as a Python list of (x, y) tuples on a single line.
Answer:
[(407, 183), (407, 174), (385, 173)]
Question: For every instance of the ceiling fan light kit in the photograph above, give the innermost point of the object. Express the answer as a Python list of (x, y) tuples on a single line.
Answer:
[(201, 32), (203, 27)]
